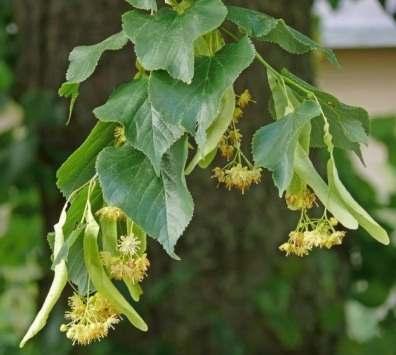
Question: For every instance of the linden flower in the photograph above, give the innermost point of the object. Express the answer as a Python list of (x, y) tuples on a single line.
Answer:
[(142, 265), (120, 269), (119, 136), (219, 174), (238, 114), (312, 233), (126, 268), (109, 212), (297, 245), (226, 150), (244, 99), (128, 245), (235, 136), (241, 177), (304, 200), (334, 238), (90, 318)]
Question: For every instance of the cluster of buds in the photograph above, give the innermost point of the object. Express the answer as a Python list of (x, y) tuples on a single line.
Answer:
[(239, 173), (90, 318), (119, 136), (304, 199), (128, 264), (310, 233)]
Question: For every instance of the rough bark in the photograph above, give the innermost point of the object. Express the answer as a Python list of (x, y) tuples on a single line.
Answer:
[(209, 303)]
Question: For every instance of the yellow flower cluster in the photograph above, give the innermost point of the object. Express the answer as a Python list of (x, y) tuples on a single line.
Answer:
[(90, 318), (121, 268), (245, 99), (238, 176), (229, 143), (302, 200), (239, 173), (127, 265), (111, 213), (312, 234)]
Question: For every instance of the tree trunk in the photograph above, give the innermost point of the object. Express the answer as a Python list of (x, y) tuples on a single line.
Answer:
[(233, 293)]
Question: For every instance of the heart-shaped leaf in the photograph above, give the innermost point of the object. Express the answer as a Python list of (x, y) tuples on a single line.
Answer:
[(144, 127), (197, 105), (166, 40), (162, 206)]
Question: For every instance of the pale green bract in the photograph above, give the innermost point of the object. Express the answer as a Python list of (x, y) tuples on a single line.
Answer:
[(99, 277), (166, 40), (196, 106), (274, 144), (349, 125), (363, 218), (58, 284), (145, 129), (162, 206), (307, 173)]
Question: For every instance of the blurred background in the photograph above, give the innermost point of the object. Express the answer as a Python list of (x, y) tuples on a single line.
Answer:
[(233, 293)]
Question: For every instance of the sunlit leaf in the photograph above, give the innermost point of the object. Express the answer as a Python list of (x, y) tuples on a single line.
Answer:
[(166, 40), (162, 206), (196, 106), (274, 145)]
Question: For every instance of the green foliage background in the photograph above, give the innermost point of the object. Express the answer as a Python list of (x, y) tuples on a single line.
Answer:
[(215, 301)]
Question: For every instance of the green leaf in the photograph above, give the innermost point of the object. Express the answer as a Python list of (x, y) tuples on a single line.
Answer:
[(307, 173), (349, 125), (197, 105), (269, 29), (84, 59), (162, 206), (67, 244), (145, 129), (77, 270), (166, 40), (58, 284), (80, 166), (99, 277), (363, 218), (253, 23), (215, 131), (144, 4), (281, 105), (207, 45), (274, 144), (69, 90)]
